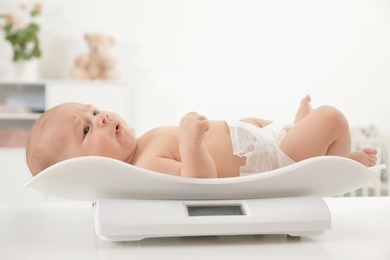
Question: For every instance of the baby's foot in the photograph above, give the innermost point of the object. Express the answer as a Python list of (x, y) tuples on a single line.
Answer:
[(366, 156), (304, 109)]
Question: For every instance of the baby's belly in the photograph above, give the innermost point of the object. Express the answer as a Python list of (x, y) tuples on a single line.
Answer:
[(219, 145)]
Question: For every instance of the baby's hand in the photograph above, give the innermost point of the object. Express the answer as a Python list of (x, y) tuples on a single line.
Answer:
[(196, 161), (193, 127)]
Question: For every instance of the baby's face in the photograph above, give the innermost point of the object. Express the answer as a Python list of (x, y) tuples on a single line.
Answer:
[(83, 130)]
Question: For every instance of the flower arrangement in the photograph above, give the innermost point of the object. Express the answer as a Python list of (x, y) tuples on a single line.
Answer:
[(23, 35)]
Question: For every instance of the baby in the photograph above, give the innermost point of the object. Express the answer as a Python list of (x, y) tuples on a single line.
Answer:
[(198, 147)]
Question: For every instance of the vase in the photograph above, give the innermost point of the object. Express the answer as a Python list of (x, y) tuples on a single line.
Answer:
[(26, 70)]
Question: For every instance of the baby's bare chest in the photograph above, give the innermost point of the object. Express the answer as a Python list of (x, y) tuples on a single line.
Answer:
[(216, 139), (164, 142)]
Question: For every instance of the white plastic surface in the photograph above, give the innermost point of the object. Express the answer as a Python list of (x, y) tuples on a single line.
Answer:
[(129, 220), (90, 178)]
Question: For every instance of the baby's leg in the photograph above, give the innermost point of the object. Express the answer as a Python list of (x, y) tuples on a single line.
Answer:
[(366, 156), (325, 131), (304, 109)]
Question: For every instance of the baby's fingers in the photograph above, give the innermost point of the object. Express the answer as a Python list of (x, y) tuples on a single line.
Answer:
[(204, 123)]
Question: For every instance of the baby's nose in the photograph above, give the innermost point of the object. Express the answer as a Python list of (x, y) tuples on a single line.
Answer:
[(103, 118)]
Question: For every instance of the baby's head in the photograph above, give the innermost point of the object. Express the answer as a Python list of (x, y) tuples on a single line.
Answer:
[(73, 130)]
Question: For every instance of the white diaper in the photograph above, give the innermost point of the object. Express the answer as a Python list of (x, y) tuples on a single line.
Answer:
[(259, 145)]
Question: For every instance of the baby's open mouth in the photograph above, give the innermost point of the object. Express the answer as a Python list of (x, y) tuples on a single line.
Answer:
[(117, 127)]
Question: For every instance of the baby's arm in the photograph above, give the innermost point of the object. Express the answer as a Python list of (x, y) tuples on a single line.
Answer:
[(196, 160)]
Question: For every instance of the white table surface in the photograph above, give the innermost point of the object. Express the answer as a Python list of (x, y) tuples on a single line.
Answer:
[(64, 230)]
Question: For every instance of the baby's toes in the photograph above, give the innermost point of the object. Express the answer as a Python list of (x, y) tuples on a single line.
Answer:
[(370, 151), (372, 160)]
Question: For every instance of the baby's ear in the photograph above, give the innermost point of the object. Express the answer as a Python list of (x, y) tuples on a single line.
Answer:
[(87, 36)]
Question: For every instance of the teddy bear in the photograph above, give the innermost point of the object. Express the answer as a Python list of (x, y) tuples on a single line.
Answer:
[(98, 63)]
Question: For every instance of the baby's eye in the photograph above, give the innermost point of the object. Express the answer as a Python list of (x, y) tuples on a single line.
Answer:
[(86, 130), (96, 112)]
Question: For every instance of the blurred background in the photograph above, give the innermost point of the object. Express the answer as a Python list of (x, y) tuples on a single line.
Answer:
[(228, 59)]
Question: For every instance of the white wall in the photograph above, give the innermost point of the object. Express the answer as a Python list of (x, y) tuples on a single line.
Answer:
[(230, 59)]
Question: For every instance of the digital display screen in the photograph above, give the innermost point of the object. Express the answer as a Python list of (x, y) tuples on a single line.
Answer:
[(218, 210)]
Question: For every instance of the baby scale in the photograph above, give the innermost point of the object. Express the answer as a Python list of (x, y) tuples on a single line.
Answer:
[(130, 203)]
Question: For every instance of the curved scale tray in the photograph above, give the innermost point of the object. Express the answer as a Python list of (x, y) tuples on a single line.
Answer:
[(92, 177)]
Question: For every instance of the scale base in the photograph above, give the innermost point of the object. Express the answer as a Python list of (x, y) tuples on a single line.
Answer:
[(133, 220)]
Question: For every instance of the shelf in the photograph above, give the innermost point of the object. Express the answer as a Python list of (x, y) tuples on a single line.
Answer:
[(19, 116), (5, 84)]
